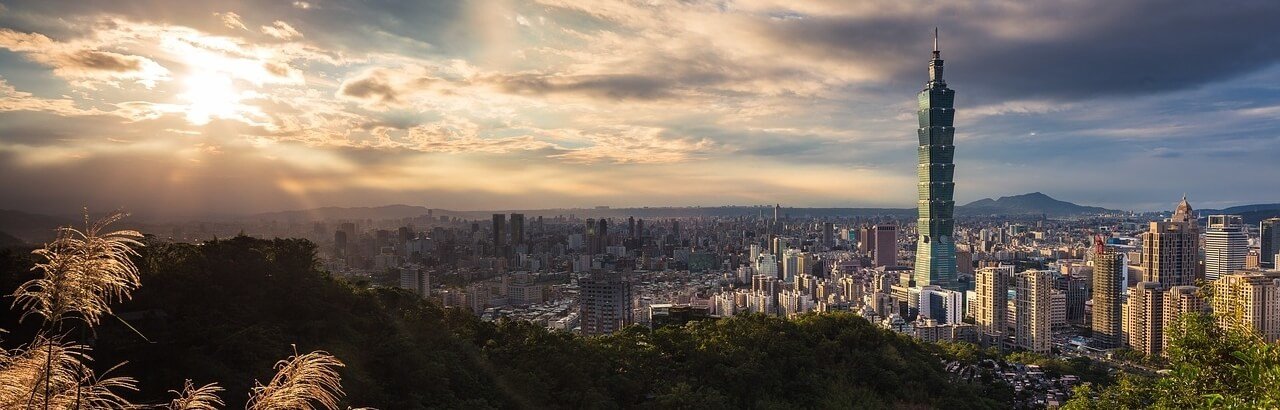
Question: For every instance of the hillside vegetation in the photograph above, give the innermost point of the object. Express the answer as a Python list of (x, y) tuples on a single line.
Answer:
[(226, 311)]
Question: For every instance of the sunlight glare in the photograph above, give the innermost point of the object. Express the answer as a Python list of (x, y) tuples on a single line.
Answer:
[(211, 95)]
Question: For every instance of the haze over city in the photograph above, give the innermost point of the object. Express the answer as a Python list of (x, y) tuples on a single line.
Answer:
[(199, 108)]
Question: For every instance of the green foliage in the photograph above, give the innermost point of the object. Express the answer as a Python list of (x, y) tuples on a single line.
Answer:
[(1087, 370), (1209, 367), (225, 311)]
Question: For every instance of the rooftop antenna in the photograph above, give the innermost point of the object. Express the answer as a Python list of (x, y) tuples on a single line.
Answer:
[(935, 43)]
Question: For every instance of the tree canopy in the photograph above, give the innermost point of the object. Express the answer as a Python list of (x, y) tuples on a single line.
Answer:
[(224, 311)]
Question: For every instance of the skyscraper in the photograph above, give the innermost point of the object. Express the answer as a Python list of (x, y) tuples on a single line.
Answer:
[(499, 226), (1225, 246), (1108, 285), (1170, 250), (885, 252), (935, 251), (1269, 243), (517, 229), (992, 290)]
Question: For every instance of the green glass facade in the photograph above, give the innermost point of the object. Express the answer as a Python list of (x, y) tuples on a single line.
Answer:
[(935, 250)]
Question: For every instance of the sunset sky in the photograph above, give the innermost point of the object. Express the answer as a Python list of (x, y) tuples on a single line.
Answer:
[(188, 108)]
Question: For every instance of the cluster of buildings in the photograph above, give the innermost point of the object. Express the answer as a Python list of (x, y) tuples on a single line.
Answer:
[(1014, 282)]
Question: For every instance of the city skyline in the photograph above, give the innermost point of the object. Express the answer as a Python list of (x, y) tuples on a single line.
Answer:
[(200, 109)]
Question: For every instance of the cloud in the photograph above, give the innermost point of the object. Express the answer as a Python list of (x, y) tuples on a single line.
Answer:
[(281, 30), (82, 62), (380, 88), (614, 87), (231, 20), (635, 145)]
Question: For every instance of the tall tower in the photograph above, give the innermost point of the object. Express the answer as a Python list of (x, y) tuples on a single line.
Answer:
[(517, 229), (935, 251), (499, 225)]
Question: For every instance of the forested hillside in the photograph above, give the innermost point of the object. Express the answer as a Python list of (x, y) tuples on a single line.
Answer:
[(225, 311)]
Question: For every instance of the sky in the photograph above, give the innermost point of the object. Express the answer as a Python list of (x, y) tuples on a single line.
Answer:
[(195, 108)]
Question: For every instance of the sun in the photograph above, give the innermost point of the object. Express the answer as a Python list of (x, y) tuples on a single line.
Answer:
[(210, 94)]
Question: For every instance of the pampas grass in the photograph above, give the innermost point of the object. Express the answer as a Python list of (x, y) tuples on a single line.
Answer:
[(82, 273), (51, 373), (193, 398), (306, 382)]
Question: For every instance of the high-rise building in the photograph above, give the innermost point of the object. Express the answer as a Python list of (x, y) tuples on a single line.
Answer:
[(1225, 246), (1171, 251), (631, 227), (602, 235), (866, 239), (517, 229), (1249, 300), (790, 265), (604, 303), (1179, 301), (1076, 288), (1033, 329), (592, 241), (776, 227), (499, 232), (935, 250), (1269, 243), (885, 252), (989, 312), (1108, 286), (828, 234), (1145, 325)]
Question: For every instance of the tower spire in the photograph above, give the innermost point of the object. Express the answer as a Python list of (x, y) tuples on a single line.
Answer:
[(936, 52)]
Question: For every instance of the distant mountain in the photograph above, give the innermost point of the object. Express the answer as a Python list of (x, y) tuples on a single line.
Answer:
[(1032, 203), (1236, 210), (1252, 214), (29, 227), (331, 212), (7, 240)]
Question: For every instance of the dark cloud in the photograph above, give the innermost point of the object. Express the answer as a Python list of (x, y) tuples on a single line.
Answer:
[(615, 87), (105, 61), (1075, 50), (370, 88)]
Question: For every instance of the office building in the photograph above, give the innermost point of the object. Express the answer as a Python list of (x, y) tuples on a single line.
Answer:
[(885, 252), (499, 233), (1269, 243), (517, 229), (935, 249), (1225, 245)]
